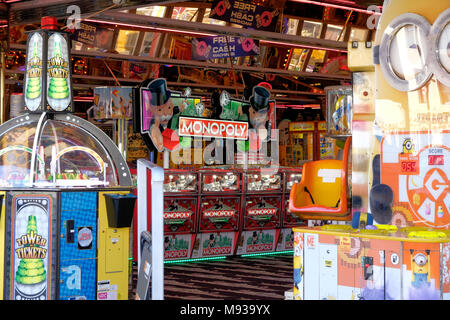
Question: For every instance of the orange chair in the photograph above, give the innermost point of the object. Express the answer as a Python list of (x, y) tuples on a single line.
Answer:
[(322, 191)]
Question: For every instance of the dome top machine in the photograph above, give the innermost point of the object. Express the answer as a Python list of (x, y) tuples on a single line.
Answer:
[(63, 231)]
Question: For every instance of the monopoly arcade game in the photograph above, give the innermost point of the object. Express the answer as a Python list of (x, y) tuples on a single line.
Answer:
[(180, 213), (217, 209), (404, 252), (64, 228), (262, 210), (219, 212)]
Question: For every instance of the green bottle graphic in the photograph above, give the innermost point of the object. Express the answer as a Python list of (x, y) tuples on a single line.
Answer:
[(34, 74), (31, 271), (58, 87)]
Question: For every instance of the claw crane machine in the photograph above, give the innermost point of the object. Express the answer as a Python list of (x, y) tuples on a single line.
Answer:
[(398, 244), (66, 217)]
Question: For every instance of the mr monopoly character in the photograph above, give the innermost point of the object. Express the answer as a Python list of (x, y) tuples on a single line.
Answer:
[(159, 114), (258, 117)]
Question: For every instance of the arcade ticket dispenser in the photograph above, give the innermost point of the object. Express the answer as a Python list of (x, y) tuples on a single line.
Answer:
[(67, 209)]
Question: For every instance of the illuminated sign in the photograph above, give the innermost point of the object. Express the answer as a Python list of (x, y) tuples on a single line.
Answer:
[(245, 14), (177, 215), (219, 213), (223, 47), (262, 212), (31, 246), (198, 127)]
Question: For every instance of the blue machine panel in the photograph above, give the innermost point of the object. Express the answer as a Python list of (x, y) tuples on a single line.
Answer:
[(79, 201), (78, 245), (78, 279)]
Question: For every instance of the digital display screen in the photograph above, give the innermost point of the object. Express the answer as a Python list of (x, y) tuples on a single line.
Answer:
[(436, 159), (409, 166)]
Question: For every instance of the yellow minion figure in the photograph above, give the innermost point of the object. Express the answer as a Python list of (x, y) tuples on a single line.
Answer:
[(408, 146), (298, 273), (420, 268)]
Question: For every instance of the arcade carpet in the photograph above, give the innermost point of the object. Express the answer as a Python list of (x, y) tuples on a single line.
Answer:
[(235, 278)]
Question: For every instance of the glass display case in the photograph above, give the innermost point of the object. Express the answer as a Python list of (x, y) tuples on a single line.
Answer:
[(152, 11), (291, 26), (208, 20), (180, 181), (311, 29), (221, 181), (297, 59), (334, 32), (185, 14), (261, 180), (316, 60), (291, 176), (58, 152), (339, 104), (126, 41)]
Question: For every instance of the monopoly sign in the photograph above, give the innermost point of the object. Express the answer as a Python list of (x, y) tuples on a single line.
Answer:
[(210, 128), (262, 212), (219, 213), (177, 215)]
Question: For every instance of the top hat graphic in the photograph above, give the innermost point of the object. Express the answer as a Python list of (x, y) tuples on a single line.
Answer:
[(260, 98), (159, 92)]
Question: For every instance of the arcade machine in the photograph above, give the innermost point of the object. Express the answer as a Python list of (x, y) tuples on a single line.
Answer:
[(262, 210), (232, 202), (64, 227), (309, 141), (328, 147), (301, 146), (180, 213), (399, 248), (289, 219), (220, 201)]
